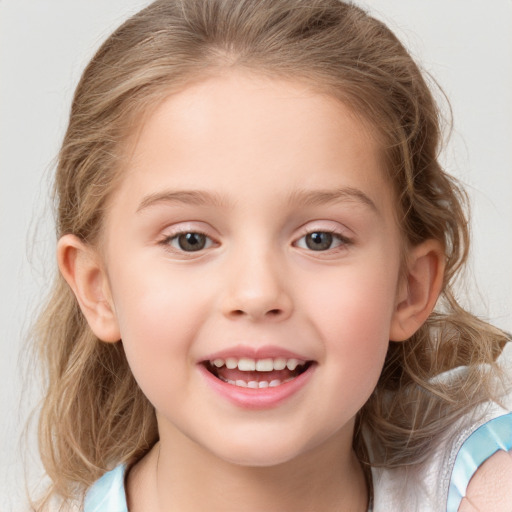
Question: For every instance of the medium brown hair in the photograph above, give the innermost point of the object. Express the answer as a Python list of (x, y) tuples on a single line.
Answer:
[(94, 415)]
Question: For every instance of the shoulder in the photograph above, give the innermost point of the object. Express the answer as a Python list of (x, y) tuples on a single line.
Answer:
[(472, 467), (108, 493), (482, 470), (490, 487)]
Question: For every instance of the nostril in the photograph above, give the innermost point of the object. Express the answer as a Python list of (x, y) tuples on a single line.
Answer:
[(270, 313)]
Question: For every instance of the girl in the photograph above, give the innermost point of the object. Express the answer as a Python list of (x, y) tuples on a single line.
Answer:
[(253, 231)]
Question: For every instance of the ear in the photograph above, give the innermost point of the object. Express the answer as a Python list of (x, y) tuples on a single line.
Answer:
[(81, 267), (419, 290)]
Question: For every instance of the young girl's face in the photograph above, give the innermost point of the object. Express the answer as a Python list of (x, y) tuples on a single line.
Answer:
[(254, 226)]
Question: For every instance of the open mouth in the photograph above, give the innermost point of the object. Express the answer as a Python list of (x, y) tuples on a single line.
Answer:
[(245, 372)]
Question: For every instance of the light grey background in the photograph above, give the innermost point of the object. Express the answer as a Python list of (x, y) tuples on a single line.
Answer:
[(44, 45)]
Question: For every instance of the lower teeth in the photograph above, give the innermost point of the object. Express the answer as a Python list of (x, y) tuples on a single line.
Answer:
[(258, 384), (255, 384)]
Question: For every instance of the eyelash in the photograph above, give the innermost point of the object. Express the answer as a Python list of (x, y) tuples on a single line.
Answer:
[(342, 239), (167, 241), (209, 242)]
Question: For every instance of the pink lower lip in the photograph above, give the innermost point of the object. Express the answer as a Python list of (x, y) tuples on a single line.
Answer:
[(261, 398)]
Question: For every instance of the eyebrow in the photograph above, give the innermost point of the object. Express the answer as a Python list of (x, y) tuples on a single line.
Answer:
[(190, 197), (301, 197), (320, 197)]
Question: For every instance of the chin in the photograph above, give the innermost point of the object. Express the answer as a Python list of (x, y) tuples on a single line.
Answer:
[(260, 452), (257, 459)]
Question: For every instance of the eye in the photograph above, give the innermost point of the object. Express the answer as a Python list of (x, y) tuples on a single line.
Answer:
[(189, 241), (321, 241)]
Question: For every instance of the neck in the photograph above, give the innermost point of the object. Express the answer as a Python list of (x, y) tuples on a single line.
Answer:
[(187, 478)]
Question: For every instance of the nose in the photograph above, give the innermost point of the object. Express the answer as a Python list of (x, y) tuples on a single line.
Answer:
[(257, 288)]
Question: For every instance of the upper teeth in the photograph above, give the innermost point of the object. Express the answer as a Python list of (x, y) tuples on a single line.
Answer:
[(246, 364)]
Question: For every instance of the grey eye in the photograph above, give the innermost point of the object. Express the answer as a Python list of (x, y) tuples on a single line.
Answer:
[(319, 241), (190, 242)]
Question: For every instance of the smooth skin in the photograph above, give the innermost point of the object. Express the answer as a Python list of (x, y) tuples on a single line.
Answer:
[(250, 164), (490, 489)]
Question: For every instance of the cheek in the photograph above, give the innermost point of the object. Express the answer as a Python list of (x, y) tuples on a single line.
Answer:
[(353, 318), (151, 302), (354, 303), (157, 321)]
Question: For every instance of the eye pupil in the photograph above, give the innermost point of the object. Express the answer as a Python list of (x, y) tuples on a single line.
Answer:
[(319, 241), (192, 241)]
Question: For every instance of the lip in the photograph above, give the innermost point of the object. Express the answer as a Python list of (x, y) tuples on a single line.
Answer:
[(261, 398), (266, 352)]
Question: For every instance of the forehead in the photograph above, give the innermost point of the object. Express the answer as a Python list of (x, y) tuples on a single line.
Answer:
[(241, 131)]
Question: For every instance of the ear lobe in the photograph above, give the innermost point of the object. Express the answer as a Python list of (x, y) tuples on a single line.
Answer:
[(81, 267), (419, 292)]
